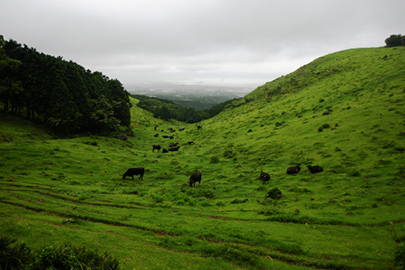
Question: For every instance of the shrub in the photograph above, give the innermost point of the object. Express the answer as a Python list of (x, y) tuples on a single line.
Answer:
[(13, 256), (69, 257), (91, 143), (157, 198), (274, 193), (132, 192), (236, 200), (180, 202), (229, 154), (353, 173), (214, 160), (220, 203), (205, 203), (65, 257), (208, 194), (192, 202), (323, 127), (395, 40), (400, 257)]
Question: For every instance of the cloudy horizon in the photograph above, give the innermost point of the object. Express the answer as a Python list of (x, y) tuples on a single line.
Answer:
[(213, 42)]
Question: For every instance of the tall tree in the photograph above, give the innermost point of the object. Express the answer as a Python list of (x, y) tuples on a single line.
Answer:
[(395, 40), (10, 87), (62, 94)]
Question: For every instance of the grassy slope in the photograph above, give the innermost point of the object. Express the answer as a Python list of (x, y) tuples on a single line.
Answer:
[(58, 190)]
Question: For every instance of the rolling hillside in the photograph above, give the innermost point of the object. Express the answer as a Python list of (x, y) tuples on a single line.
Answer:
[(343, 111)]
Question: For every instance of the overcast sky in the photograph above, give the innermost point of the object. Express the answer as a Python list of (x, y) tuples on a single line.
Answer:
[(208, 42)]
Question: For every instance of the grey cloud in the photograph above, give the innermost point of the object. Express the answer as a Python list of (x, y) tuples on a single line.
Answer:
[(219, 42)]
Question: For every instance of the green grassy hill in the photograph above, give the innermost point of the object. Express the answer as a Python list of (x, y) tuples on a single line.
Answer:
[(344, 112)]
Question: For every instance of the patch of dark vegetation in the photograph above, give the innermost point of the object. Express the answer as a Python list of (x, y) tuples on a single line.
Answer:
[(91, 143), (65, 257), (274, 194), (300, 190), (132, 192), (198, 193), (214, 160), (279, 124), (237, 201), (324, 126)]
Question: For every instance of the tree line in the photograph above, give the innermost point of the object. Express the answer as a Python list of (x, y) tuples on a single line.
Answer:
[(166, 109), (62, 94), (395, 40)]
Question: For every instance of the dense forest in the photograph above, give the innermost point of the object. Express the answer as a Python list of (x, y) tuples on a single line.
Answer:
[(62, 94), (166, 109)]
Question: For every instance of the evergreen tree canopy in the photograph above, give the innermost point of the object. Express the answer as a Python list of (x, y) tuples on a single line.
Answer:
[(178, 112), (62, 94)]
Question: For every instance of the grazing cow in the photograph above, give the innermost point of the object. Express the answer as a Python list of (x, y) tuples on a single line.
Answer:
[(196, 177), (314, 169), (174, 149), (173, 144), (134, 171), (156, 127), (191, 143), (164, 136), (264, 177), (155, 146), (198, 127), (181, 129), (165, 151), (156, 135), (294, 170), (172, 130)]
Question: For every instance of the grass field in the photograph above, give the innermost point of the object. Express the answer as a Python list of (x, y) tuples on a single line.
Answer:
[(344, 112)]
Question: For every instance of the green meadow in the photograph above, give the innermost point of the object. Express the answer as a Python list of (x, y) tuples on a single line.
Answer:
[(344, 111)]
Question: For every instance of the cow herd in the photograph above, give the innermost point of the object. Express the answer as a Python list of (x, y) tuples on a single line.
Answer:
[(173, 147), (265, 177), (196, 177)]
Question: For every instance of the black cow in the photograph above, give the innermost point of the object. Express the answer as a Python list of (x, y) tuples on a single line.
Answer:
[(191, 143), (181, 129), (134, 171), (294, 170), (164, 136), (315, 169), (174, 149), (196, 177), (165, 151), (264, 177), (156, 146), (173, 144), (156, 135)]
